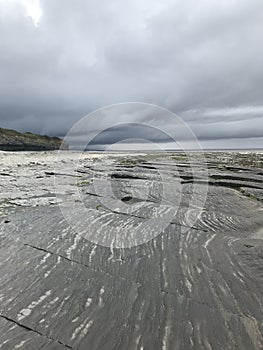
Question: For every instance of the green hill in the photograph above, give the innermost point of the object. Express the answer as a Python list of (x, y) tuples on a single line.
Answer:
[(12, 140)]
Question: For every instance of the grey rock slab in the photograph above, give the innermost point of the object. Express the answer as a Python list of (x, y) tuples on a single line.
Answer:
[(61, 295), (191, 286), (14, 336)]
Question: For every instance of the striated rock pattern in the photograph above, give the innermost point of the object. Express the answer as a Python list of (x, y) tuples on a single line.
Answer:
[(11, 140), (199, 288)]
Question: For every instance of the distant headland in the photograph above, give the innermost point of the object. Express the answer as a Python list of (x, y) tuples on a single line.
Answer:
[(12, 140)]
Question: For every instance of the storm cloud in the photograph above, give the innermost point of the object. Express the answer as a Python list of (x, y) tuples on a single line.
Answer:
[(60, 60)]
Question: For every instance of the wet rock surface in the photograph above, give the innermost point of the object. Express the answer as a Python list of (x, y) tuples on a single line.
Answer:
[(193, 285)]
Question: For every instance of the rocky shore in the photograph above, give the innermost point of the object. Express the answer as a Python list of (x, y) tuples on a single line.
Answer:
[(194, 284)]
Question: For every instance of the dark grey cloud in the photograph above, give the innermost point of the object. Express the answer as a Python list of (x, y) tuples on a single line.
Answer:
[(131, 133), (202, 60)]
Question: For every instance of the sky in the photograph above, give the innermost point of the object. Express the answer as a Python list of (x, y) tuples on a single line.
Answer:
[(202, 60)]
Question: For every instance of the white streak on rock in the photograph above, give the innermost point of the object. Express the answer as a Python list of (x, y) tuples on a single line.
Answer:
[(26, 312)]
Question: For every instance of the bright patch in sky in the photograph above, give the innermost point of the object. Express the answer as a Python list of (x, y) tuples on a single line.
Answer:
[(34, 10), (32, 7)]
